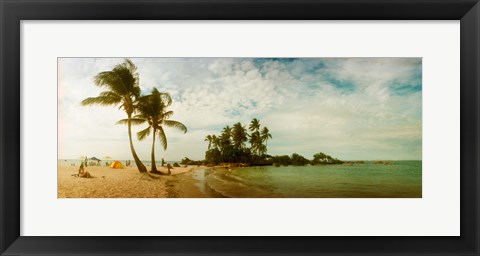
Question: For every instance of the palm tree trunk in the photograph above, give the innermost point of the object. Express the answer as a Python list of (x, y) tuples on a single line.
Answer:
[(154, 166), (140, 166)]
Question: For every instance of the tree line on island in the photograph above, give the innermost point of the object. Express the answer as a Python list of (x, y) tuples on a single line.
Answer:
[(235, 145), (231, 145)]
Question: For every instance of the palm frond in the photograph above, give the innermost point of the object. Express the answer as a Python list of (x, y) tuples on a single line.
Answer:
[(127, 74), (135, 121), (101, 100), (122, 121), (175, 124), (111, 94), (123, 79), (141, 135), (166, 98), (111, 80), (132, 68), (167, 114), (162, 97), (162, 137)]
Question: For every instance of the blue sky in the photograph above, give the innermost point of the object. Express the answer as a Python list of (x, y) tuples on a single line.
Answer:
[(350, 108)]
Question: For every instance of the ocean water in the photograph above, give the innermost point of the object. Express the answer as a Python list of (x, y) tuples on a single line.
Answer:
[(369, 180)]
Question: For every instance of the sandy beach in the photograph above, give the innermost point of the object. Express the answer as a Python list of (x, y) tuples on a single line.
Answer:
[(128, 183)]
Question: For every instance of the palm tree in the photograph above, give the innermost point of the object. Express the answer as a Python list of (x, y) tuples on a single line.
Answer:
[(255, 137), (226, 135), (152, 109), (254, 125), (239, 135), (123, 90), (209, 138), (262, 150), (255, 142), (215, 141), (265, 135)]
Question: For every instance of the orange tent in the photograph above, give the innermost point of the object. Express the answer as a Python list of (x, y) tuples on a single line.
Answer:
[(117, 165)]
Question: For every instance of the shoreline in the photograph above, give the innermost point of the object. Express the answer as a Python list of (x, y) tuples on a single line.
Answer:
[(190, 185)]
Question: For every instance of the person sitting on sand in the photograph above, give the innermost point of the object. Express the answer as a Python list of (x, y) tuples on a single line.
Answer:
[(82, 173)]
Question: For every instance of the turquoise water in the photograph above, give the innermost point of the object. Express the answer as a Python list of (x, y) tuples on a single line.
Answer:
[(369, 180)]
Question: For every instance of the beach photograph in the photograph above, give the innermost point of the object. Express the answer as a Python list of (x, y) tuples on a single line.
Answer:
[(239, 127)]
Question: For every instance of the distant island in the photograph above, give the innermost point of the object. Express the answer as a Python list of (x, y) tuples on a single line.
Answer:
[(230, 147)]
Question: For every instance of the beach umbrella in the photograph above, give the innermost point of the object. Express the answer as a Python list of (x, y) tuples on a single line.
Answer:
[(95, 159)]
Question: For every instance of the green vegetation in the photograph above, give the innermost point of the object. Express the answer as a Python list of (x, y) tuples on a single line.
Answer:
[(281, 160), (321, 158), (187, 161), (123, 91), (296, 159), (299, 160), (230, 145)]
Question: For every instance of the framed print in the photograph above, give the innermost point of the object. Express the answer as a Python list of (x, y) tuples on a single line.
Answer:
[(239, 127)]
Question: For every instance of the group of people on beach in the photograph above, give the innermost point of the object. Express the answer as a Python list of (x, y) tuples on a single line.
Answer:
[(82, 173)]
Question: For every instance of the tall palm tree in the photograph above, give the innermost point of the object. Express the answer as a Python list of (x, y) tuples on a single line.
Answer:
[(239, 136), (226, 135), (152, 109), (215, 141), (265, 135), (255, 137), (255, 142), (209, 138), (122, 84)]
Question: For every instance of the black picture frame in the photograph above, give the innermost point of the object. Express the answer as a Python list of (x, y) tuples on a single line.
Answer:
[(13, 11)]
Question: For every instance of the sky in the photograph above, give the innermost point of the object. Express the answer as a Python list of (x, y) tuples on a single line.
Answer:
[(349, 108)]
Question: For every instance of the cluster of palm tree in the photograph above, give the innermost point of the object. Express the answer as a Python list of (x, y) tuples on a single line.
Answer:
[(297, 159), (231, 145), (322, 158), (123, 91)]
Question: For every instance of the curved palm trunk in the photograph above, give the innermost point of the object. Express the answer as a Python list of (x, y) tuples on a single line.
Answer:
[(140, 166), (154, 166)]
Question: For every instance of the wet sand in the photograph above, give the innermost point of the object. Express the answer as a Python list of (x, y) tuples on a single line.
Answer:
[(192, 185), (129, 183)]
